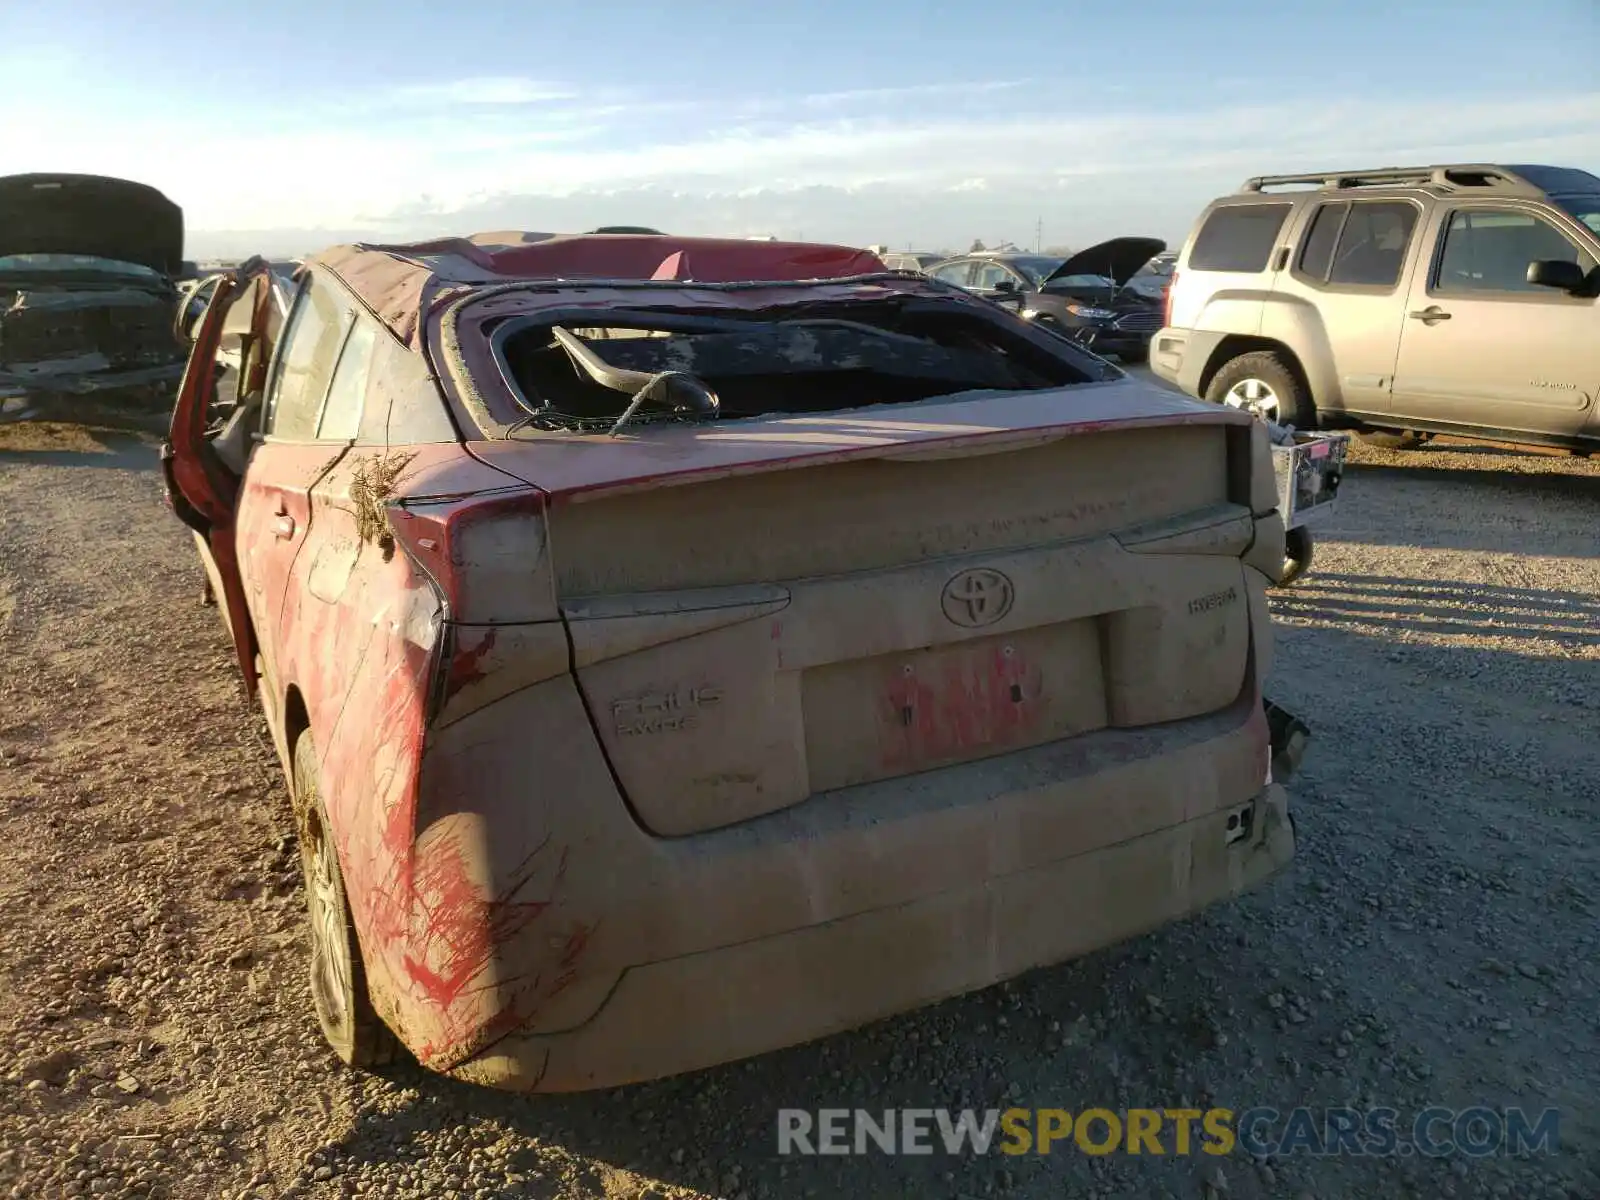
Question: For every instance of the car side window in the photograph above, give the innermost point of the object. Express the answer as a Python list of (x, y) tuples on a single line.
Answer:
[(1238, 237), (992, 275), (341, 413), (1361, 244), (305, 362), (1373, 244), (955, 273), (403, 406), (1488, 250), (1316, 250)]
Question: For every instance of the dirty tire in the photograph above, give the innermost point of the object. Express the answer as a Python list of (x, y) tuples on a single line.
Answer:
[(1296, 556), (338, 977), (1269, 367), (1392, 439)]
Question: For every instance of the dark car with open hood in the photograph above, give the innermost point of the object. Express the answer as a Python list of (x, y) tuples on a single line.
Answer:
[(88, 298), (1089, 299)]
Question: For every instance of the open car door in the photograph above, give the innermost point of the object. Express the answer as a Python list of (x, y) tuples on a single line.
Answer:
[(204, 457)]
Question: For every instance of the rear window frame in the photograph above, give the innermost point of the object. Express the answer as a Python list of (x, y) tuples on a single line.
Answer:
[(1220, 212), (508, 407)]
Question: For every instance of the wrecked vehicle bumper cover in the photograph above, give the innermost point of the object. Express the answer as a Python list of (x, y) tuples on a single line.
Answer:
[(67, 396), (650, 957)]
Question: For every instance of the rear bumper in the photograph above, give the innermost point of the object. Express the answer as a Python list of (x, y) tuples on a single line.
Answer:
[(1180, 357), (628, 957), (687, 1013)]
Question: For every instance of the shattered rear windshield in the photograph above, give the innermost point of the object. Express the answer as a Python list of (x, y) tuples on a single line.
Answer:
[(598, 375), (73, 262)]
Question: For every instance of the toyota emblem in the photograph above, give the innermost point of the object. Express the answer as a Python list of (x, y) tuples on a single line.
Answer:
[(978, 597)]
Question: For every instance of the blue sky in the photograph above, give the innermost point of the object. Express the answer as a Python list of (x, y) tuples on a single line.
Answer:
[(287, 126)]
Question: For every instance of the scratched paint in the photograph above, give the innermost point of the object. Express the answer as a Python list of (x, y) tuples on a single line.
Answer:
[(467, 663), (958, 705), (457, 925), (431, 913)]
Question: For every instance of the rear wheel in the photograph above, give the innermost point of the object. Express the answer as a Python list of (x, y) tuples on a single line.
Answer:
[(1264, 384), (338, 978)]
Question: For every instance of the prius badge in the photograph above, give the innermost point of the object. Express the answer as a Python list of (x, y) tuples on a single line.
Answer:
[(978, 597)]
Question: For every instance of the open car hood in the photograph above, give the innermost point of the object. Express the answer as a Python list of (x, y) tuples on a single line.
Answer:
[(1118, 259), (92, 215)]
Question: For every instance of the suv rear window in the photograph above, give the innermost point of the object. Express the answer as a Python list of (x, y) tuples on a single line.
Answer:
[(1238, 237)]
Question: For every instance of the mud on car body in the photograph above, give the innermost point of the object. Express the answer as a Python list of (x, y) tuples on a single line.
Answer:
[(88, 298), (685, 648)]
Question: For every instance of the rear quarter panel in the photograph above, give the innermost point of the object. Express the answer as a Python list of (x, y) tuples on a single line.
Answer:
[(364, 638)]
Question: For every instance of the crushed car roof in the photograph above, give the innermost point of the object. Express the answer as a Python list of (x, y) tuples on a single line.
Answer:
[(402, 283)]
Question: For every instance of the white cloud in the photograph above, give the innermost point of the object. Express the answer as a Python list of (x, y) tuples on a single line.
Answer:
[(884, 95), (934, 163), (487, 90)]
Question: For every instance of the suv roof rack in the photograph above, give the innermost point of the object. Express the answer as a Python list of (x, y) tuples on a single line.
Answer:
[(1452, 177)]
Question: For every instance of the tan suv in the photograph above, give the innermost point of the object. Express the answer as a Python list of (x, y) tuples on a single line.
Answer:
[(1401, 302)]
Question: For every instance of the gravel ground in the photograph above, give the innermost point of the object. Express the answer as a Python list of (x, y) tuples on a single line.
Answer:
[(1434, 944)]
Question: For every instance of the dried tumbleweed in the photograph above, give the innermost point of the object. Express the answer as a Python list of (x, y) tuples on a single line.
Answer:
[(370, 489)]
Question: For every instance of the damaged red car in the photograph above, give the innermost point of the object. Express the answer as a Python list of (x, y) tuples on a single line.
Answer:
[(684, 648)]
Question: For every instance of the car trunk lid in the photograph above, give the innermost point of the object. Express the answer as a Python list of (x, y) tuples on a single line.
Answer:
[(795, 605)]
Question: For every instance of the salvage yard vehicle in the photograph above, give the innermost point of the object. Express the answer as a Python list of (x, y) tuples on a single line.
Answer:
[(1402, 303), (1001, 276), (910, 260), (1087, 298), (685, 648), (88, 298)]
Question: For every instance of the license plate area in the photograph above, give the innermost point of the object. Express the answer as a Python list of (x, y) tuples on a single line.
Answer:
[(903, 712)]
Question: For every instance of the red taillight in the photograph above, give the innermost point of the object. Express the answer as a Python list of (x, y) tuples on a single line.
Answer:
[(1172, 286), (487, 555)]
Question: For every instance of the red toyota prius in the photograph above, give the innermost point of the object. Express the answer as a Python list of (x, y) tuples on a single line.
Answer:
[(684, 648)]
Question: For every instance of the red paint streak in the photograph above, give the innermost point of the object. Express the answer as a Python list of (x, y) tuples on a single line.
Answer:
[(466, 666), (457, 1047), (458, 931), (964, 704)]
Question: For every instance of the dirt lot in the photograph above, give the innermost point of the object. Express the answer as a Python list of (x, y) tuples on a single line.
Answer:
[(1435, 944)]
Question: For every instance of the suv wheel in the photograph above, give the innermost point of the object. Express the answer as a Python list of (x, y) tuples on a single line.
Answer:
[(338, 979), (1264, 385)]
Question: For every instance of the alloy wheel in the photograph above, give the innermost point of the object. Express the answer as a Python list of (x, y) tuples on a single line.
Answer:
[(1256, 397), (330, 943)]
